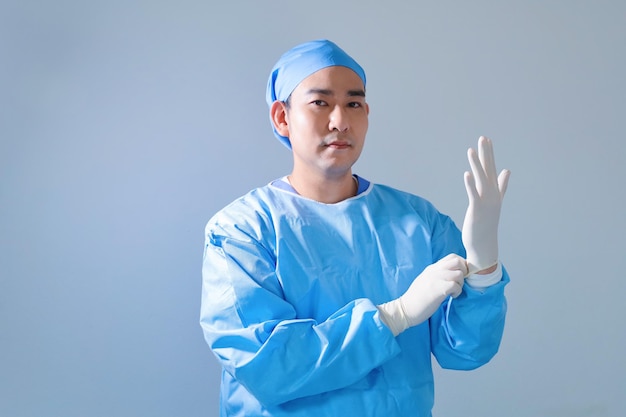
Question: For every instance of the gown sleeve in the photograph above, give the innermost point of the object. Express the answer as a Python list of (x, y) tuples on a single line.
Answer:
[(466, 331), (256, 336)]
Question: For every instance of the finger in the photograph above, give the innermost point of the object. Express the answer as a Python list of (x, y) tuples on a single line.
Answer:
[(477, 169), (472, 269), (446, 263), (449, 268), (453, 261), (486, 157), (453, 268), (503, 181), (456, 290), (457, 277), (448, 288), (470, 186)]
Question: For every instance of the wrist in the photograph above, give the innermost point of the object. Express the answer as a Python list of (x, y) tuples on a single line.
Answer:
[(481, 281), (481, 265), (488, 270), (392, 314)]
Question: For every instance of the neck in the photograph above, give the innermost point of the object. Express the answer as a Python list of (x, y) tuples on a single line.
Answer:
[(325, 190)]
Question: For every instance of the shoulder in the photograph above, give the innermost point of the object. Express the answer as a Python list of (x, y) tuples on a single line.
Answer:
[(249, 213), (391, 194), (398, 204)]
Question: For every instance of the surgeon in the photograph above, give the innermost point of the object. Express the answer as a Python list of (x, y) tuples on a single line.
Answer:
[(325, 294)]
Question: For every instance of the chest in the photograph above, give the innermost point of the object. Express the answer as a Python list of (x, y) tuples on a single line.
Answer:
[(324, 263)]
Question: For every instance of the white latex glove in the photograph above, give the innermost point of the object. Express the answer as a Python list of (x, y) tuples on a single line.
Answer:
[(485, 191), (432, 287)]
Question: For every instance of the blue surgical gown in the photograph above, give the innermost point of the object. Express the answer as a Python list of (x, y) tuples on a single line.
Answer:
[(289, 295)]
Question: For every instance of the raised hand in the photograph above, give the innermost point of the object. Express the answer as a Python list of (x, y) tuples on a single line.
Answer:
[(485, 191)]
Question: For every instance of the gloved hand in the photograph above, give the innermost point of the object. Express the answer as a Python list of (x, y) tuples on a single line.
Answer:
[(437, 282), (485, 192)]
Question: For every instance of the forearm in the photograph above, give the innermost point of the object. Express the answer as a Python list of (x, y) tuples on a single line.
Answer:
[(277, 355), (299, 357), (466, 332)]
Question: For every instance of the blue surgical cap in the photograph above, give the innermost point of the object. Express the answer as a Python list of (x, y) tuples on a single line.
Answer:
[(300, 62)]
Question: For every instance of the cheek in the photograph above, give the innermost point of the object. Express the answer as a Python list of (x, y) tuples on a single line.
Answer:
[(362, 125), (299, 121)]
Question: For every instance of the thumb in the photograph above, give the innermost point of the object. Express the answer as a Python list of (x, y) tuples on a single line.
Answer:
[(503, 181)]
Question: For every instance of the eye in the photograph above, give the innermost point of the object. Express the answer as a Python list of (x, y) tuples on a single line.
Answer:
[(319, 102), (358, 104)]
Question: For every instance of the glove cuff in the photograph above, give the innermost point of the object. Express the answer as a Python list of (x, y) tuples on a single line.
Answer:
[(473, 268), (393, 315), (478, 281)]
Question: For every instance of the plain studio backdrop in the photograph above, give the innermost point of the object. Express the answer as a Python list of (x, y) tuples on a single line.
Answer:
[(125, 126)]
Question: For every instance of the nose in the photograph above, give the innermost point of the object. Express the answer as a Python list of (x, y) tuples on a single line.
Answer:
[(338, 120)]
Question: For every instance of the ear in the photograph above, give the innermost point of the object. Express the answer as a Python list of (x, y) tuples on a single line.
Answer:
[(278, 114)]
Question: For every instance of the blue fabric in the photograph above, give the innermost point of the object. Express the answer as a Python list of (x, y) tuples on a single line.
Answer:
[(300, 62), (289, 295)]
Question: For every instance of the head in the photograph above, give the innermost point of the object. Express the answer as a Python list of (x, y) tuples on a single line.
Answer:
[(301, 62), (319, 109)]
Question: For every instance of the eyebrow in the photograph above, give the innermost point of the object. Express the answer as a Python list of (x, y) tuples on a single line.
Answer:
[(325, 92)]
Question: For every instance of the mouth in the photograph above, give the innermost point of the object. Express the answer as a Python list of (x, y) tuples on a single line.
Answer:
[(338, 144)]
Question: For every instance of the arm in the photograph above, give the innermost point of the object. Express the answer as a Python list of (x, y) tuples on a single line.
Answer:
[(485, 191), (466, 318), (258, 338), (467, 331)]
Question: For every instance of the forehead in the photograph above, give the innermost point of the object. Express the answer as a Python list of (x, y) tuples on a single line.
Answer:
[(336, 78)]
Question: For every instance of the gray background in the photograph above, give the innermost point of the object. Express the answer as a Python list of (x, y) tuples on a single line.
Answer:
[(125, 125)]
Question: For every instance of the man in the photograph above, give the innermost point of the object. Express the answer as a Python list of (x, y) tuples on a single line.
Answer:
[(326, 295)]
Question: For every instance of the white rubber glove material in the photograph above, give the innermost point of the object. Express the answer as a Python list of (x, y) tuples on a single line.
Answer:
[(480, 282), (485, 191), (432, 287)]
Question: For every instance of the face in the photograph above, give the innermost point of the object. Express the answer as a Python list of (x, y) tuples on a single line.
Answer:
[(326, 122)]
